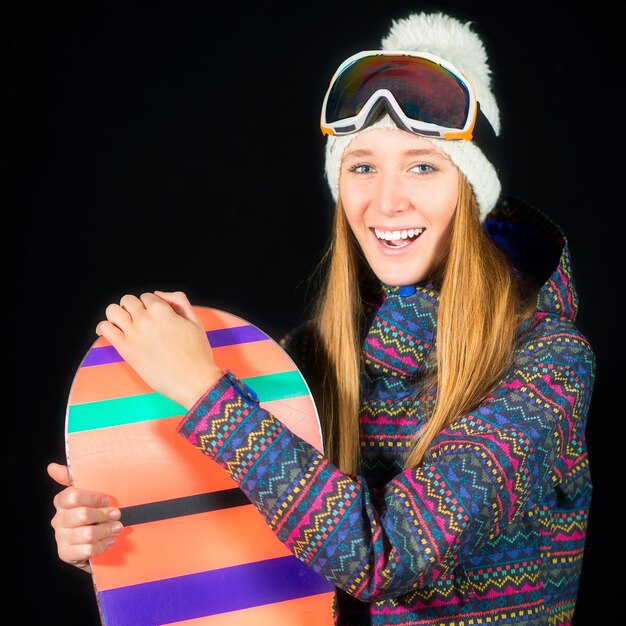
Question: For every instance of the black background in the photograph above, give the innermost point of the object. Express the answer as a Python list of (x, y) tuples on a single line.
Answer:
[(175, 145)]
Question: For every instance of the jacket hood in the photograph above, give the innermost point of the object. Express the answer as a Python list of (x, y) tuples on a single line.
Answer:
[(538, 250)]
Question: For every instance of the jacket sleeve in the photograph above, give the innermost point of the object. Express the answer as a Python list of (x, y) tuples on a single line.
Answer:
[(494, 462)]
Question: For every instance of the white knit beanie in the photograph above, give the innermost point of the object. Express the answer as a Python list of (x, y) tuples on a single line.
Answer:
[(456, 43)]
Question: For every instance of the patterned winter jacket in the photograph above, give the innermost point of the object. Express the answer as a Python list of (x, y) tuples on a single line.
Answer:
[(491, 528)]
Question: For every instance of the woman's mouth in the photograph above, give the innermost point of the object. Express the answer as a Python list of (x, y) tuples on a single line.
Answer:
[(397, 238)]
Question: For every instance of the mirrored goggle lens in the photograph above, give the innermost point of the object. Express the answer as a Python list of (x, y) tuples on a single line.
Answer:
[(425, 91)]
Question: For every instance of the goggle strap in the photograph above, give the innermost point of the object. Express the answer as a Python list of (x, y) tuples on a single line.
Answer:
[(484, 136)]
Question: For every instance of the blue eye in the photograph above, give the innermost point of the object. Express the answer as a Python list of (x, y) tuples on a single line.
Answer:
[(424, 168), (362, 169)]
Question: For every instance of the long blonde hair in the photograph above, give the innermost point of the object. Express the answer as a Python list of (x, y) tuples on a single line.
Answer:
[(480, 309)]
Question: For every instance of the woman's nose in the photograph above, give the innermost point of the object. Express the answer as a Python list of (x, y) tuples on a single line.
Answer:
[(389, 196)]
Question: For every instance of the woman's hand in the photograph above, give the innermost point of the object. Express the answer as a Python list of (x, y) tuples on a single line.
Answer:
[(84, 523), (160, 336)]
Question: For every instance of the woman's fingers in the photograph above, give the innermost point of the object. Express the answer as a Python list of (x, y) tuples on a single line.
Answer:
[(154, 303), (84, 522), (119, 316), (132, 305), (76, 545), (180, 303), (110, 332), (83, 531), (71, 499)]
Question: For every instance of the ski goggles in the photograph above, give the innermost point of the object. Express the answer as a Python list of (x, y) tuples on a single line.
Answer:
[(423, 93)]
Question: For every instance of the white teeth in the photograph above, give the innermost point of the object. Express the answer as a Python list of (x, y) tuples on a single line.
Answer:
[(395, 235)]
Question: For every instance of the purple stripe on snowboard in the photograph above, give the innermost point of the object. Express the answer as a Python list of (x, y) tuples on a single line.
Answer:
[(208, 593), (217, 338)]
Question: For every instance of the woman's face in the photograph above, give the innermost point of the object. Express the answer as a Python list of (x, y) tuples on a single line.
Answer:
[(399, 193)]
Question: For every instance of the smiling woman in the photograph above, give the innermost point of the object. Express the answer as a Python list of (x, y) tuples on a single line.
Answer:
[(452, 381)]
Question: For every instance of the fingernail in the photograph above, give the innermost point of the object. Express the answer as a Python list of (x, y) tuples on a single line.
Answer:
[(105, 501), (109, 541), (117, 527), (115, 514)]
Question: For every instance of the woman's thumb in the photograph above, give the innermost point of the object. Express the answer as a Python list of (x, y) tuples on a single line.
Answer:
[(59, 473)]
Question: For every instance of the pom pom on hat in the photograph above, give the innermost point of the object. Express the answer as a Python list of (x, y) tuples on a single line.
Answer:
[(458, 44)]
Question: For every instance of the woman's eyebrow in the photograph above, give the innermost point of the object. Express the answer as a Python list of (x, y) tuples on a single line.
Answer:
[(425, 152), (432, 152), (357, 153)]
